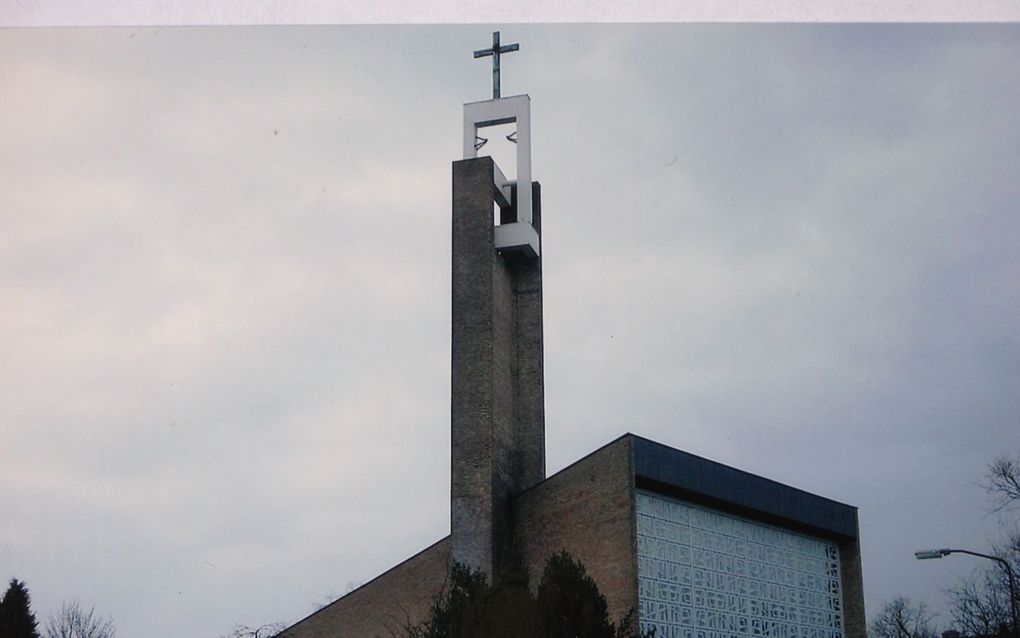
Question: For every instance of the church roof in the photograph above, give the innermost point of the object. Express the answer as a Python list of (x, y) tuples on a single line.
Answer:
[(672, 472), (664, 469)]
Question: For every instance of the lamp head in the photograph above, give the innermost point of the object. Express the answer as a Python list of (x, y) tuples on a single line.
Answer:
[(932, 553)]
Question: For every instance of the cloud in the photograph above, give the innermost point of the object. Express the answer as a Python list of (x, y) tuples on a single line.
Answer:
[(788, 248)]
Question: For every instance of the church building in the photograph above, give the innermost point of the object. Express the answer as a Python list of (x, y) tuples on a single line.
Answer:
[(698, 549)]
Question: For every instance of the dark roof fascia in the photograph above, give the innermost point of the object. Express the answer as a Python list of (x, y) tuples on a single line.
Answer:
[(671, 472)]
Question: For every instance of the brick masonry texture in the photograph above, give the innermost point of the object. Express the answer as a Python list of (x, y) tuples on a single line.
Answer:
[(497, 414), (588, 510), (852, 583), (502, 512), (384, 606)]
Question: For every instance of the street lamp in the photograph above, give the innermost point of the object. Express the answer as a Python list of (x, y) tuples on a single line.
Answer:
[(939, 553)]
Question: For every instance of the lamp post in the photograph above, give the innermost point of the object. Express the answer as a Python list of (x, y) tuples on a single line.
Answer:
[(939, 553)]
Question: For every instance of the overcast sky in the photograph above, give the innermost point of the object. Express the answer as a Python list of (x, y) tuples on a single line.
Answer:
[(224, 266)]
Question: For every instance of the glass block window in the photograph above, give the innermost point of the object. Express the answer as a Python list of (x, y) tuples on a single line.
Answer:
[(706, 574)]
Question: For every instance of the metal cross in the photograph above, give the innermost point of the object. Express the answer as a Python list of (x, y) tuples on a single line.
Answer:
[(494, 52)]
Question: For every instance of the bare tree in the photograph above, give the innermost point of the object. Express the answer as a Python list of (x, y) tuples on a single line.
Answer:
[(1003, 483), (982, 605), (74, 621), (262, 631), (901, 618)]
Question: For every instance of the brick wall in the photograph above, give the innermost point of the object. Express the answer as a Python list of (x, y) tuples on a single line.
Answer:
[(384, 606), (588, 510), (497, 413), (854, 622)]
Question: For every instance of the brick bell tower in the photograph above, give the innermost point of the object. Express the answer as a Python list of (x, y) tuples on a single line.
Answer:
[(497, 403)]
